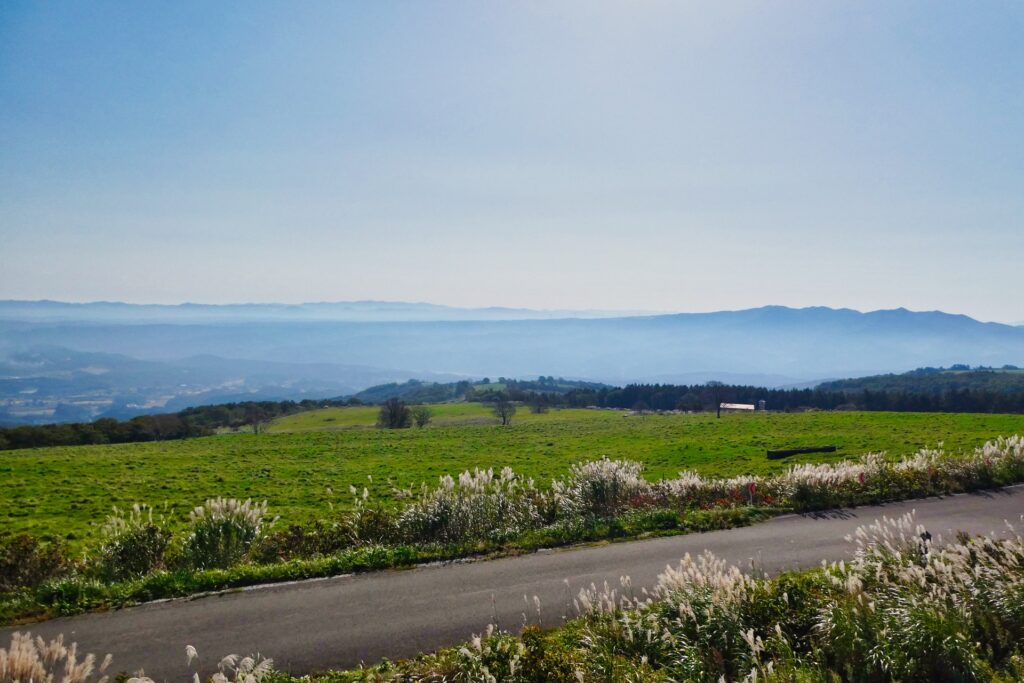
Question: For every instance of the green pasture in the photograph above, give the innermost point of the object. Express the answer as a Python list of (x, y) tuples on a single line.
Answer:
[(305, 464), (365, 417)]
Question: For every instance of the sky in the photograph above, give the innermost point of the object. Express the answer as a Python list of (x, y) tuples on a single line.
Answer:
[(663, 156)]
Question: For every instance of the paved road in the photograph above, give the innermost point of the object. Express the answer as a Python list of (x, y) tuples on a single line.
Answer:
[(342, 621)]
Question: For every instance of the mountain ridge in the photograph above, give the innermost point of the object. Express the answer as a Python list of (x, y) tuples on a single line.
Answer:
[(360, 310), (369, 310)]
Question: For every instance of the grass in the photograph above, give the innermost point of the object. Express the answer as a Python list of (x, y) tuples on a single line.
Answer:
[(67, 492), (365, 417)]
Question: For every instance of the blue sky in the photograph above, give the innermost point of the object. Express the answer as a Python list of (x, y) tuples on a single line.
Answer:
[(654, 155)]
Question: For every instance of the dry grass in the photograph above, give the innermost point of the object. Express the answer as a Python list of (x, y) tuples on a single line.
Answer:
[(33, 660)]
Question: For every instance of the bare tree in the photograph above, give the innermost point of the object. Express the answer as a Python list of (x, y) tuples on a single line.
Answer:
[(422, 415), (394, 414), (504, 410), (716, 389)]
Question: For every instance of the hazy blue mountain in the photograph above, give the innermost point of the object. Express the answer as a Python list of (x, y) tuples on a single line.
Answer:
[(795, 344), (775, 346), (351, 311)]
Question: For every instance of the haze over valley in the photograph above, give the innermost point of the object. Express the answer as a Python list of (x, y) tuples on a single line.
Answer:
[(74, 362)]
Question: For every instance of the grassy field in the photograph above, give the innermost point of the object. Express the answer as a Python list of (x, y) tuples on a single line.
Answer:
[(365, 417), (302, 469)]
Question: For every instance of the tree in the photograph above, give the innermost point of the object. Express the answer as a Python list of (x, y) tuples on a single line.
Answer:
[(640, 407), (538, 404), (256, 417), (394, 414), (689, 402), (421, 415), (504, 409), (716, 390)]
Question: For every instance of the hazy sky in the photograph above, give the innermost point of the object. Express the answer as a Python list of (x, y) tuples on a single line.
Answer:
[(633, 155)]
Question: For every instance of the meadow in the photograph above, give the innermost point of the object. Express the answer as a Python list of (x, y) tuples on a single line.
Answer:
[(304, 464)]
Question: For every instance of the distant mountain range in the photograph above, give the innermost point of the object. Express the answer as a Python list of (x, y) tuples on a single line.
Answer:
[(295, 355), (338, 311)]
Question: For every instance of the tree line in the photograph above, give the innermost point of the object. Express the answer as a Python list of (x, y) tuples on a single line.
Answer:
[(188, 423), (707, 396)]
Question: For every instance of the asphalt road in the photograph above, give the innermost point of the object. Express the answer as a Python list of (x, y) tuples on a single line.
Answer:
[(342, 621)]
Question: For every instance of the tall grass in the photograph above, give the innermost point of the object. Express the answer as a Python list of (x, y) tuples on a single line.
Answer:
[(34, 660), (478, 505), (133, 544), (601, 488), (222, 531), (29, 660)]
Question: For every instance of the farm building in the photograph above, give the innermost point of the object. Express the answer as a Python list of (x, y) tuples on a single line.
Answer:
[(737, 407), (740, 407)]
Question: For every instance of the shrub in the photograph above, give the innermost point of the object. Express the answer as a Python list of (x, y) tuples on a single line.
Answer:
[(394, 414), (26, 562), (72, 594), (222, 532), (297, 541), (422, 415), (133, 544)]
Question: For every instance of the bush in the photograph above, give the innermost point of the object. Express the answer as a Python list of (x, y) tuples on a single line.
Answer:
[(72, 595), (374, 525), (26, 562), (222, 532), (394, 414), (297, 541), (422, 415), (133, 545)]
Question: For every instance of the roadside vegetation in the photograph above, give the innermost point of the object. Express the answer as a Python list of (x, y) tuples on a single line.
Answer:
[(903, 609), (228, 543)]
